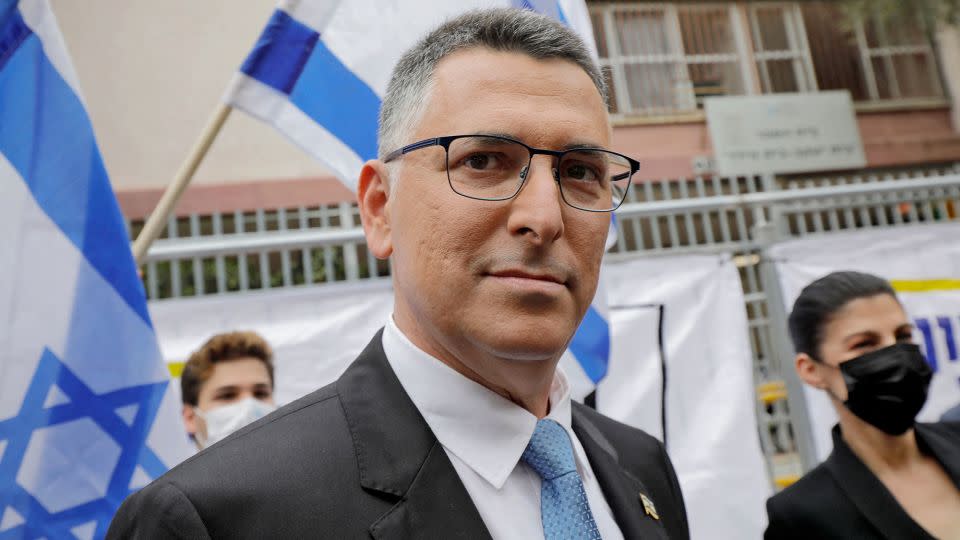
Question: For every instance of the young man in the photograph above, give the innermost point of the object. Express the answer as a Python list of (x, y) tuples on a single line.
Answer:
[(225, 385), (492, 198)]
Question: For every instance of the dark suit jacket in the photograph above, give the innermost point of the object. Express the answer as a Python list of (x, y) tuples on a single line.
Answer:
[(842, 499), (355, 459)]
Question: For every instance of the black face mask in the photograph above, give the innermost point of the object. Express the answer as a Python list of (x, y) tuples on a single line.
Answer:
[(887, 387)]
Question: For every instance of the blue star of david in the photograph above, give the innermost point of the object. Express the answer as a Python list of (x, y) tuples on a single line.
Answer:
[(83, 403)]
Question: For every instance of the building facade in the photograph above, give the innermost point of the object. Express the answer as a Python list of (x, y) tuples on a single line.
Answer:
[(151, 83)]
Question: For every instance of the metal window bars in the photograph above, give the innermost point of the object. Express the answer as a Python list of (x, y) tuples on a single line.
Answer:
[(662, 59)]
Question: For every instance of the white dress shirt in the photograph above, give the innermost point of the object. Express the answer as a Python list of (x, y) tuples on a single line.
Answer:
[(484, 436)]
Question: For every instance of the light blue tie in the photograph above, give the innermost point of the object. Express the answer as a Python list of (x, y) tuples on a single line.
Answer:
[(564, 509)]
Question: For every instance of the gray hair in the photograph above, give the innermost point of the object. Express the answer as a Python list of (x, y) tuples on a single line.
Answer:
[(502, 29)]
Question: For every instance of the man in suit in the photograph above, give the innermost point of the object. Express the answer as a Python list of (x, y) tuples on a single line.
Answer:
[(491, 197)]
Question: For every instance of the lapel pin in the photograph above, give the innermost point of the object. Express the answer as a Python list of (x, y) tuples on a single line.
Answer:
[(648, 507)]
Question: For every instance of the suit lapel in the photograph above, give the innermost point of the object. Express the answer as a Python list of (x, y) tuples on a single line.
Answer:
[(399, 457), (868, 493), (436, 506), (623, 491)]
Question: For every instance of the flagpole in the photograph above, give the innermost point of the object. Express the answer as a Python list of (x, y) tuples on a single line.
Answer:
[(158, 218)]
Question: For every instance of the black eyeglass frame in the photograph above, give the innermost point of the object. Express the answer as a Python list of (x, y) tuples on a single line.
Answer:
[(446, 140)]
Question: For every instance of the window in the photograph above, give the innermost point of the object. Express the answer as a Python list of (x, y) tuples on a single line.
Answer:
[(663, 59), (890, 61), (780, 48), (836, 57), (898, 60)]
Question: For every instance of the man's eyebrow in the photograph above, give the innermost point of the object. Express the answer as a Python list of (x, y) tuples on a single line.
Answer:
[(503, 134), (576, 145)]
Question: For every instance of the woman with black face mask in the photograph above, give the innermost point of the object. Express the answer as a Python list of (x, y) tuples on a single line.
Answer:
[(887, 477)]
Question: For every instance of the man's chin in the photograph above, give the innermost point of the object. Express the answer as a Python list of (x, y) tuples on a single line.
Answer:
[(525, 350)]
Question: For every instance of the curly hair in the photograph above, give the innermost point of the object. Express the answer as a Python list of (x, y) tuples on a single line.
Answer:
[(221, 348)]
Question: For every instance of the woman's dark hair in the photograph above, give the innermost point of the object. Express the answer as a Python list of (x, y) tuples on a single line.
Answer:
[(819, 302)]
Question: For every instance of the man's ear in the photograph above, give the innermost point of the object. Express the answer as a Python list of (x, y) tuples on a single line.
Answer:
[(189, 419), (807, 370), (373, 194)]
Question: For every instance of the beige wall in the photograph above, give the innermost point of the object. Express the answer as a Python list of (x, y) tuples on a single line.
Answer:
[(151, 73)]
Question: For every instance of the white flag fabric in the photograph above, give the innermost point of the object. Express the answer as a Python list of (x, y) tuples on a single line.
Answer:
[(85, 416), (318, 74), (681, 369), (923, 264)]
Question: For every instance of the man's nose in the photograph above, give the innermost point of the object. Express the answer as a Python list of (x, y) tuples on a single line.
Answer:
[(537, 211)]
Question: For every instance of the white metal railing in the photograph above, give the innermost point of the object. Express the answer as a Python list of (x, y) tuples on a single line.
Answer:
[(211, 246), (831, 197), (832, 192)]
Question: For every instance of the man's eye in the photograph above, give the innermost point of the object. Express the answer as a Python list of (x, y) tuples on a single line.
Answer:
[(905, 338), (225, 397), (480, 162), (578, 171)]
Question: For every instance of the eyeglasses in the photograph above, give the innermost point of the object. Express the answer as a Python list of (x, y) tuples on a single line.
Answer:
[(494, 168)]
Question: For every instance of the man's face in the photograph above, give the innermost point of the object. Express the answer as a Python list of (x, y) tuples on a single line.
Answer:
[(231, 381), (506, 279)]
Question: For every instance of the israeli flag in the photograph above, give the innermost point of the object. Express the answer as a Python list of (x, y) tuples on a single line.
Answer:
[(319, 70), (85, 416)]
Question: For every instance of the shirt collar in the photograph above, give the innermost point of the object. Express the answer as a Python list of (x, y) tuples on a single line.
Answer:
[(483, 429)]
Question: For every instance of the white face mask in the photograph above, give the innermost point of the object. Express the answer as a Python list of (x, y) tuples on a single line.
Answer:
[(223, 421)]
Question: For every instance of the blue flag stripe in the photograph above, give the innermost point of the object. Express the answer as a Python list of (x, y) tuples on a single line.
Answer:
[(281, 52), (545, 7), (13, 32), (591, 345), (333, 96), (560, 15), (6, 7), (47, 137), (290, 57)]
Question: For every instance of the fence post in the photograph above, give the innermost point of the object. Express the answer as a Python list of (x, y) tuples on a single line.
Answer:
[(766, 233), (351, 264)]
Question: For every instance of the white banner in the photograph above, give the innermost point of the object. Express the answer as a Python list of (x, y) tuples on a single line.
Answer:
[(315, 332), (694, 305), (923, 263)]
